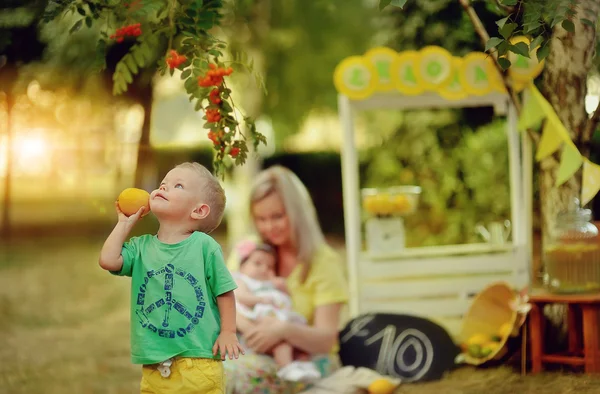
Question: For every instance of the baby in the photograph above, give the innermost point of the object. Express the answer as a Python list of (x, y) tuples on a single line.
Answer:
[(182, 299), (260, 293)]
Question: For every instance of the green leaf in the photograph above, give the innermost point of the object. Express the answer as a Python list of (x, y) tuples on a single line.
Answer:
[(588, 22), (189, 34), (144, 49), (507, 30), (226, 106), (100, 56), (138, 56), (530, 27), (493, 43), (568, 26), (88, 21), (504, 63), (520, 48), (130, 62), (198, 105), (502, 22), (187, 21), (398, 3), (536, 43), (127, 75), (190, 84), (76, 26), (509, 3), (383, 4), (80, 10), (503, 48), (556, 20), (186, 73), (543, 52)]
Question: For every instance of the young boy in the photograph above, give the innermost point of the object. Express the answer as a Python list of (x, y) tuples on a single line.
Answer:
[(182, 300)]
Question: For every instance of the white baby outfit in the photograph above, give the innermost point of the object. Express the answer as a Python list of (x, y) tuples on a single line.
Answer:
[(282, 303), (297, 371)]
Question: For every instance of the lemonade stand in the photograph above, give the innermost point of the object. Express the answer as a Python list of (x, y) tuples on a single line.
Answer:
[(433, 282)]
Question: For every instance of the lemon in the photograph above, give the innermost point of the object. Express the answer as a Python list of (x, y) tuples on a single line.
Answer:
[(488, 348), (401, 204), (474, 350), (384, 205), (370, 204), (485, 351), (381, 386), (132, 199), (478, 339)]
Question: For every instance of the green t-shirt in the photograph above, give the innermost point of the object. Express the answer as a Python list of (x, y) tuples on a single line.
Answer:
[(174, 289)]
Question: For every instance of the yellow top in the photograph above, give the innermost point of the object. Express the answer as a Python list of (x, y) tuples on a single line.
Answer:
[(325, 284)]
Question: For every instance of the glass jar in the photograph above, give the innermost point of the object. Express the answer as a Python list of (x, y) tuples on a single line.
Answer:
[(572, 255)]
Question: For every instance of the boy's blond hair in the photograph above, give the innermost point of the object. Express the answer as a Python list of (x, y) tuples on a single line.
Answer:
[(212, 194)]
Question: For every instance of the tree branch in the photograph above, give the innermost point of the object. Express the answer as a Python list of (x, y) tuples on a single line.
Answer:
[(591, 125), (506, 8), (483, 34)]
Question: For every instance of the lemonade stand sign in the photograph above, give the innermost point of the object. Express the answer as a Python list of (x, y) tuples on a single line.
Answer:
[(436, 282), (431, 69)]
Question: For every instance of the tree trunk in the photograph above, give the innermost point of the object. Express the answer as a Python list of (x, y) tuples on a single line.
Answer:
[(9, 75), (145, 172), (6, 200), (565, 87)]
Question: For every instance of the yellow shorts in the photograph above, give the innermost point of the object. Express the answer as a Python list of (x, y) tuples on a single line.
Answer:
[(188, 375)]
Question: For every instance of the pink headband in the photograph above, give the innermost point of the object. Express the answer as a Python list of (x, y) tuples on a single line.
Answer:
[(245, 248)]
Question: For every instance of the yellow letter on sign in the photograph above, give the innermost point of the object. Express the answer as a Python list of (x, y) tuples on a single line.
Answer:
[(382, 59), (404, 75), (355, 77)]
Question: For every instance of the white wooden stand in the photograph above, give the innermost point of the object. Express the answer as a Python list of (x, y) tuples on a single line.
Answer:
[(434, 282)]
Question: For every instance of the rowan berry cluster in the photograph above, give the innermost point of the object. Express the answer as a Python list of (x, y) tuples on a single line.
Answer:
[(134, 30), (214, 76), (174, 59), (215, 111)]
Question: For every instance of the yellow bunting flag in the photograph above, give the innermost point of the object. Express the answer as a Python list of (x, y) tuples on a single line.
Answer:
[(541, 101), (570, 161), (533, 111), (558, 126), (590, 181), (550, 142)]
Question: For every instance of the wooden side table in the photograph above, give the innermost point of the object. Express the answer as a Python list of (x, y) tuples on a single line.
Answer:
[(583, 330)]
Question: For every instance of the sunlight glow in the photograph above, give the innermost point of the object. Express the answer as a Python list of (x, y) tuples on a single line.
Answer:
[(32, 153)]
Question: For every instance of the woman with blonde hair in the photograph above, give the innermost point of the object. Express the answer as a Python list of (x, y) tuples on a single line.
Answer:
[(284, 216)]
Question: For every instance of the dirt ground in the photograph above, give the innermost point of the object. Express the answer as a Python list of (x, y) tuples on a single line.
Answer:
[(64, 328), (505, 380)]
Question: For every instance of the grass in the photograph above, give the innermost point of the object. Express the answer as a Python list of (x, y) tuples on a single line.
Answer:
[(64, 328)]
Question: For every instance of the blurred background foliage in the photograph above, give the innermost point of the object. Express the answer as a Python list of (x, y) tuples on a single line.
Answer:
[(100, 144)]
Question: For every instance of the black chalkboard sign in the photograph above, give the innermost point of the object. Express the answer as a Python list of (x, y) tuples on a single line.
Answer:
[(408, 347)]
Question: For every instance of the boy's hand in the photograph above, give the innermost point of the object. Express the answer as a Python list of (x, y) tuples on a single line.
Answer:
[(227, 343), (129, 220)]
